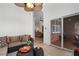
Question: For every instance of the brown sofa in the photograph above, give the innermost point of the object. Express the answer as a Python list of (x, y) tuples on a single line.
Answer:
[(14, 42)]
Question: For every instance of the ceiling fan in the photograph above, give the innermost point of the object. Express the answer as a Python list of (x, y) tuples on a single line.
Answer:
[(30, 6)]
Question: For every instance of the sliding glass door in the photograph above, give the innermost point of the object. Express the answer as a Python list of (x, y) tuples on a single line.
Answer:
[(65, 32), (71, 32), (56, 32)]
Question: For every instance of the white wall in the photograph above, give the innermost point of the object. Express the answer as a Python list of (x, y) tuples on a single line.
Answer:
[(54, 10), (15, 21)]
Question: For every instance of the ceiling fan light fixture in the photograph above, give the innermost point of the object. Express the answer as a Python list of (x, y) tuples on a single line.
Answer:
[(30, 5), (28, 9)]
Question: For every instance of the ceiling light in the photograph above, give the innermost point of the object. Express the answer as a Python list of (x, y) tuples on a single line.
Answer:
[(30, 6)]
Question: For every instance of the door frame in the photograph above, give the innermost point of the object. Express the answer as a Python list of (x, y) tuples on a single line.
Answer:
[(61, 32)]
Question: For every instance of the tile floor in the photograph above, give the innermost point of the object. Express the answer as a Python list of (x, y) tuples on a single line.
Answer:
[(52, 51)]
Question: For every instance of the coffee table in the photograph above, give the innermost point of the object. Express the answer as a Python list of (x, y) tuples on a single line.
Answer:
[(29, 53)]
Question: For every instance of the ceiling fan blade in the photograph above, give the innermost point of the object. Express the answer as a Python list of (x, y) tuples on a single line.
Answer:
[(20, 4), (38, 6)]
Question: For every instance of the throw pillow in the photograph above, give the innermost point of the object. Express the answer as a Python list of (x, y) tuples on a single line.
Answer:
[(29, 37), (14, 39), (29, 42), (23, 38), (3, 39)]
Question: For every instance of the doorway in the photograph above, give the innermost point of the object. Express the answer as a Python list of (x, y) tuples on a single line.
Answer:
[(38, 18)]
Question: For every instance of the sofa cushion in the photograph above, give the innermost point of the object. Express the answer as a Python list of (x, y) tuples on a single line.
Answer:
[(23, 38), (3, 39), (23, 43), (14, 39), (14, 44), (8, 40)]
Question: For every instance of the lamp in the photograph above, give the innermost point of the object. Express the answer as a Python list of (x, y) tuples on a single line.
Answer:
[(30, 6)]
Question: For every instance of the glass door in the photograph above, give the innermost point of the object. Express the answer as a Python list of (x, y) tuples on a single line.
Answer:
[(71, 32), (65, 32), (56, 31)]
